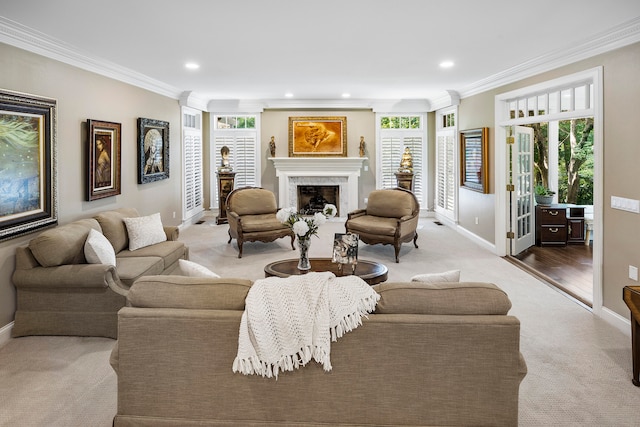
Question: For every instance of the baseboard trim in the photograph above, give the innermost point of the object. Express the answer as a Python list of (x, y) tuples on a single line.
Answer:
[(475, 238), (615, 320), (5, 334)]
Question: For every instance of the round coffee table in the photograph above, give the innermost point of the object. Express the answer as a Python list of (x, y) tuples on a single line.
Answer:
[(369, 271)]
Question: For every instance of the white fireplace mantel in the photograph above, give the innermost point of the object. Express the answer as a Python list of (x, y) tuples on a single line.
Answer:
[(342, 171)]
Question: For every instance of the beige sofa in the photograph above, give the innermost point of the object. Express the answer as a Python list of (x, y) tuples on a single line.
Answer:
[(59, 293), (432, 354)]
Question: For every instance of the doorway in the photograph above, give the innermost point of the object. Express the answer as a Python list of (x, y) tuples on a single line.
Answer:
[(570, 97)]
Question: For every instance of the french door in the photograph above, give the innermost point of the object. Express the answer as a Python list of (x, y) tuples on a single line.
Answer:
[(520, 150)]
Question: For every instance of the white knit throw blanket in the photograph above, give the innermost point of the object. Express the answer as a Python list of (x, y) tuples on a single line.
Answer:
[(288, 321)]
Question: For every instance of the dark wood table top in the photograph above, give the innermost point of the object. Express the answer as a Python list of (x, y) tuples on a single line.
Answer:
[(370, 271)]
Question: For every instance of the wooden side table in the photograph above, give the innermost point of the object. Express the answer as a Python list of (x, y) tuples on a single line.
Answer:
[(631, 296), (405, 180), (225, 186)]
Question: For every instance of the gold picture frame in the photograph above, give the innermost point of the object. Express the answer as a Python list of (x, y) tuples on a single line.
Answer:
[(474, 168), (318, 136), (103, 163)]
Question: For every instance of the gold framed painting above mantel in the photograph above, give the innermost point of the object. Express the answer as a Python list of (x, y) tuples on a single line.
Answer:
[(318, 136)]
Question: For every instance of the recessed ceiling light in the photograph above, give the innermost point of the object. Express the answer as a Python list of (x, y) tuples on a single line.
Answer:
[(288, 95), (446, 64), (346, 95), (192, 65)]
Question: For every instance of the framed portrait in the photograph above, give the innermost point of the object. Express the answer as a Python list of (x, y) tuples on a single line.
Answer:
[(473, 157), (317, 136), (345, 249), (103, 163), (28, 188), (153, 150)]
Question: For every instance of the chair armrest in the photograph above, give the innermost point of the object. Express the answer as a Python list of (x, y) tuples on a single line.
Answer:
[(356, 213), (69, 276), (172, 232)]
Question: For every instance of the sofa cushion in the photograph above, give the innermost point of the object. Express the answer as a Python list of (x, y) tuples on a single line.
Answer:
[(131, 269), (390, 203), (463, 298), (63, 244), (169, 252), (113, 226), (447, 276), (193, 269), (263, 222), (189, 293), (144, 231), (253, 201), (98, 250), (376, 225)]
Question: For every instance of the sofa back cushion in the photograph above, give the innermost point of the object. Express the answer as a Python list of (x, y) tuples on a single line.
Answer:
[(446, 298), (391, 203), (252, 201), (189, 293), (63, 244), (113, 226)]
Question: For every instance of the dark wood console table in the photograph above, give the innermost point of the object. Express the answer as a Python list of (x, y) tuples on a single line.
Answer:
[(631, 296), (369, 271)]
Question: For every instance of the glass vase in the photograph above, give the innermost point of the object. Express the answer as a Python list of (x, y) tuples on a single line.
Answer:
[(303, 262)]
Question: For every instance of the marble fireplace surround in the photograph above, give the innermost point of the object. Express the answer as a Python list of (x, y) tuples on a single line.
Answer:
[(341, 171)]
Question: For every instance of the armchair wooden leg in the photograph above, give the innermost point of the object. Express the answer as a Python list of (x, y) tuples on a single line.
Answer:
[(229, 237), (239, 248), (293, 238), (635, 352), (397, 249), (415, 237)]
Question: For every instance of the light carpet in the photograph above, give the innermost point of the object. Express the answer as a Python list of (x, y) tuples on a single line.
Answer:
[(579, 366)]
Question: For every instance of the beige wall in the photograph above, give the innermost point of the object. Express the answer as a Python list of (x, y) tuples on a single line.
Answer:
[(82, 95), (359, 123), (621, 243)]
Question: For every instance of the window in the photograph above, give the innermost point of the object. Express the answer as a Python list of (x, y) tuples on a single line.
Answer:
[(397, 132), (192, 162), (446, 147), (240, 134)]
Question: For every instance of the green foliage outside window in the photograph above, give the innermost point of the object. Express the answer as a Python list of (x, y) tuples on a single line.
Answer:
[(400, 122)]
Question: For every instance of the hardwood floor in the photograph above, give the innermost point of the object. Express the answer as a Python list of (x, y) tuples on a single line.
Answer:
[(569, 268)]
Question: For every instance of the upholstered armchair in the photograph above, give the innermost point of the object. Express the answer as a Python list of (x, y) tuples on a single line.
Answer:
[(251, 212), (390, 218)]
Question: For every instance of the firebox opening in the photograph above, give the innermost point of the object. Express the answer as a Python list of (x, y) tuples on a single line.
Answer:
[(312, 198)]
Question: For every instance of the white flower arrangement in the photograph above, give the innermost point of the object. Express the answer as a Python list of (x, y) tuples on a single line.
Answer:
[(305, 227)]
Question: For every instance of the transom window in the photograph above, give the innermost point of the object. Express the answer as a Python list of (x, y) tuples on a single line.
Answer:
[(236, 122)]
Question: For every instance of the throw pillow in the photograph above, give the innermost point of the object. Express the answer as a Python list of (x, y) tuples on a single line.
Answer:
[(98, 250), (144, 231), (192, 269), (447, 276)]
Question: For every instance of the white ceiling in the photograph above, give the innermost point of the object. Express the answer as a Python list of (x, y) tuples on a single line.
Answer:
[(372, 49)]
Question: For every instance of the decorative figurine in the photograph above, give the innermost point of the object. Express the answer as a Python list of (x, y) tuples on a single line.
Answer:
[(406, 163), (272, 147), (362, 146), (225, 166)]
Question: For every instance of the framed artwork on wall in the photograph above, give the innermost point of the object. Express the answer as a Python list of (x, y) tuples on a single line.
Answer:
[(103, 164), (474, 168), (153, 150), (28, 188), (317, 136)]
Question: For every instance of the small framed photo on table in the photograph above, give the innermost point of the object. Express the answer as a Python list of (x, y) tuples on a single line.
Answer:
[(345, 250)]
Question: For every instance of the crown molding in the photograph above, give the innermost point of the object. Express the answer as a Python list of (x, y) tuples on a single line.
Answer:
[(623, 35), (18, 35)]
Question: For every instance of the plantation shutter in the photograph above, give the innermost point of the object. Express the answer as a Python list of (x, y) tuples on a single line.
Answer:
[(243, 156), (192, 164), (445, 171), (392, 145)]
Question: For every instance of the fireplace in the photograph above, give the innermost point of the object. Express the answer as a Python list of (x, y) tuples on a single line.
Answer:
[(341, 172), (312, 198)]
